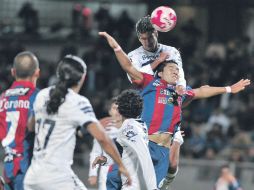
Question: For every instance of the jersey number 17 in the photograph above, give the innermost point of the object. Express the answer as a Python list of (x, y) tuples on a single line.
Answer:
[(43, 130)]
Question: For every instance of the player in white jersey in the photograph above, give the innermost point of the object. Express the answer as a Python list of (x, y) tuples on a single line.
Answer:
[(59, 111), (148, 56), (133, 138), (227, 180), (111, 125)]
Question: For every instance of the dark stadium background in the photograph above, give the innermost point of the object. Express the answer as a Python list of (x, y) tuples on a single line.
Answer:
[(215, 38)]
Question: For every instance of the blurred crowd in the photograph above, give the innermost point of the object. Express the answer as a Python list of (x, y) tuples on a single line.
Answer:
[(220, 127)]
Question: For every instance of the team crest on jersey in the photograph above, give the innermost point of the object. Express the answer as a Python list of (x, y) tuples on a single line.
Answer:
[(130, 135), (171, 97), (157, 83), (16, 92)]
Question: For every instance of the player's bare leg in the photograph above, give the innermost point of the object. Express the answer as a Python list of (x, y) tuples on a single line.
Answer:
[(1, 183)]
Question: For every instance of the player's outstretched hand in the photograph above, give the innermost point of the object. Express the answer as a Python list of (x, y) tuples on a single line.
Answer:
[(123, 171), (239, 86), (101, 160), (111, 41)]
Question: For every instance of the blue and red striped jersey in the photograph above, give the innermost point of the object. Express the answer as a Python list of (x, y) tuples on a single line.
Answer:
[(16, 106), (162, 106)]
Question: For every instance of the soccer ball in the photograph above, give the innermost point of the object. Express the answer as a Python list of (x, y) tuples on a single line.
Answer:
[(163, 18)]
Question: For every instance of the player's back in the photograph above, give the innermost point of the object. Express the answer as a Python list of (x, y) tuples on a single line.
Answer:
[(133, 137), (56, 134), (16, 106), (133, 131)]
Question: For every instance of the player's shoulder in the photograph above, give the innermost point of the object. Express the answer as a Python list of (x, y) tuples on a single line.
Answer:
[(77, 98), (132, 123), (133, 127), (128, 124), (76, 102), (41, 97), (128, 129), (136, 52), (168, 48), (43, 93)]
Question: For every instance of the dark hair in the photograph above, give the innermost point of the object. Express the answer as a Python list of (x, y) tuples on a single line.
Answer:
[(144, 25), (25, 64), (161, 66), (224, 166), (69, 72), (130, 104), (113, 100)]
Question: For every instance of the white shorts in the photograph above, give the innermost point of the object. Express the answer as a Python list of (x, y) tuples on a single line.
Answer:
[(72, 183)]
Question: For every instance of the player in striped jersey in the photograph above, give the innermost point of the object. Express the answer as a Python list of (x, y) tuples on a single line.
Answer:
[(133, 139), (59, 112), (162, 108), (111, 125), (16, 112)]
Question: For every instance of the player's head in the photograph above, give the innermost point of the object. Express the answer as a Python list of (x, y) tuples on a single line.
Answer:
[(146, 33), (71, 70), (71, 73), (130, 104), (26, 67), (168, 71), (224, 170)]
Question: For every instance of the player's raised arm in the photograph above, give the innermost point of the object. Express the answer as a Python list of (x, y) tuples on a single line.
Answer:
[(97, 132), (208, 91), (122, 57)]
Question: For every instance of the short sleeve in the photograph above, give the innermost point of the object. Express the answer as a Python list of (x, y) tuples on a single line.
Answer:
[(128, 132), (188, 96), (177, 57), (147, 78), (84, 113), (40, 99)]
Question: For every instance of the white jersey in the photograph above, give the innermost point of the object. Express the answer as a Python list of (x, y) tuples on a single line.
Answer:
[(56, 137), (141, 60), (97, 150), (223, 184), (133, 137)]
